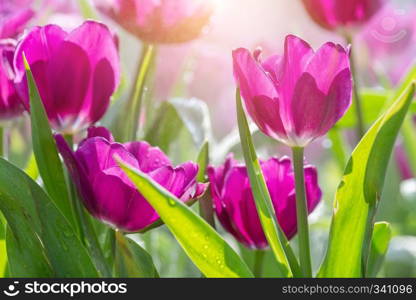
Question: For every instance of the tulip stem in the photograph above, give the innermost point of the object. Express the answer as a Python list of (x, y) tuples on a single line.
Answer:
[(258, 263), (360, 128), (134, 105), (302, 213)]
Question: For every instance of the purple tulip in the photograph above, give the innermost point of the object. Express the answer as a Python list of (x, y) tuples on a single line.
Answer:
[(160, 21), (14, 15), (235, 206), (107, 192), (76, 72), (335, 14), (296, 97), (10, 102)]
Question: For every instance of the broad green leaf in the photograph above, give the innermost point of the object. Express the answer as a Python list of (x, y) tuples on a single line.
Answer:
[(204, 246), (86, 10), (288, 265), (132, 261), (46, 154), (358, 193), (379, 245), (3, 257), (41, 242)]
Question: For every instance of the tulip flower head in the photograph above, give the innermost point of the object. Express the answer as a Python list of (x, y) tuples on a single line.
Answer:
[(297, 97), (235, 207), (76, 72), (336, 14), (14, 15), (160, 21), (10, 102), (108, 193)]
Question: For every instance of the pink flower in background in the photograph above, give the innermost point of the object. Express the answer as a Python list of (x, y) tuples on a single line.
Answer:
[(335, 14), (235, 206), (76, 73), (159, 21), (390, 39), (299, 96), (14, 16), (107, 192), (10, 102)]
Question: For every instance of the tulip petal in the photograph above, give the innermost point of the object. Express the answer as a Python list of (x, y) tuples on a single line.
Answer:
[(38, 45), (78, 174), (114, 196), (297, 54), (103, 86)]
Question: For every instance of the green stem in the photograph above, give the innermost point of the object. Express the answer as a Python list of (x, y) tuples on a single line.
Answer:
[(302, 213), (360, 129), (258, 263), (134, 105)]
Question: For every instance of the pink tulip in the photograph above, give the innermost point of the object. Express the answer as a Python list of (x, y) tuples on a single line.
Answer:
[(336, 14), (76, 72), (159, 21), (299, 96), (235, 206)]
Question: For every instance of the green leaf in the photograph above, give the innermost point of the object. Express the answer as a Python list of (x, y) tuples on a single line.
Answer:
[(379, 245), (204, 246), (358, 193), (132, 261), (40, 242), (288, 265), (194, 114), (46, 154)]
